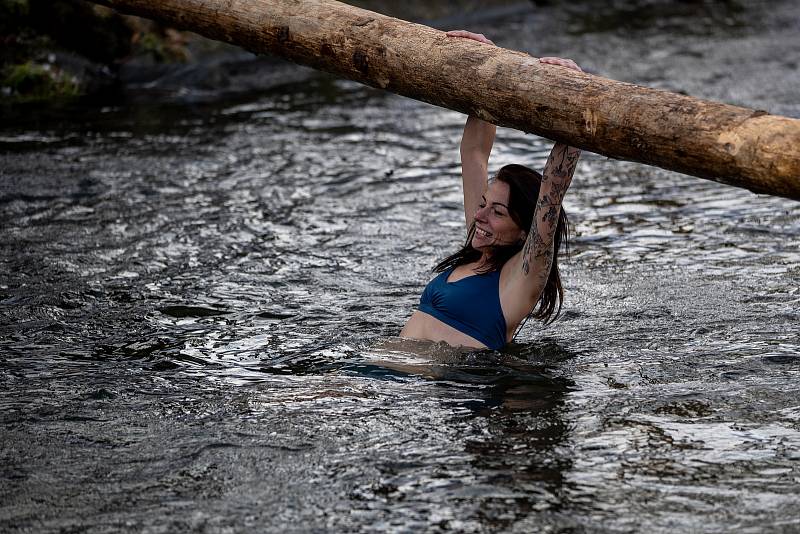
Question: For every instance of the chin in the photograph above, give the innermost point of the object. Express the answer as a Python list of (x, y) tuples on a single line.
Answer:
[(479, 244)]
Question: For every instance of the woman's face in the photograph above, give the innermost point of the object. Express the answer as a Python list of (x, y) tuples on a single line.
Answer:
[(493, 224)]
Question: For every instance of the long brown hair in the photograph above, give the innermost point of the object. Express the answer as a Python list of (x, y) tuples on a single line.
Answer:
[(523, 184)]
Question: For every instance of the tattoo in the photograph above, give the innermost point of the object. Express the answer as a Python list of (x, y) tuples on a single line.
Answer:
[(535, 247), (526, 254), (556, 178), (539, 251), (559, 189), (561, 163)]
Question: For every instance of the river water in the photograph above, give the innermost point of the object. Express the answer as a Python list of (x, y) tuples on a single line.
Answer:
[(199, 304)]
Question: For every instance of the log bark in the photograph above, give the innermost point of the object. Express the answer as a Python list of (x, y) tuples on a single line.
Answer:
[(729, 144)]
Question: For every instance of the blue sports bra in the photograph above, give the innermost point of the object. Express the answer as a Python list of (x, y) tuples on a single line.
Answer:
[(470, 305)]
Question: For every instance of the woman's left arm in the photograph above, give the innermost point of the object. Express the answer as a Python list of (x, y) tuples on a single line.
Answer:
[(537, 254), (531, 267)]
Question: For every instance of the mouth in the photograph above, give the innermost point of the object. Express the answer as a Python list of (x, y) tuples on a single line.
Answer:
[(483, 233)]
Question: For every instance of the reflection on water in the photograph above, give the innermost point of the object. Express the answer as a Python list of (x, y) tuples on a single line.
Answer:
[(199, 304)]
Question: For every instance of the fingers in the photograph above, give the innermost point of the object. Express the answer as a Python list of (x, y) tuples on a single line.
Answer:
[(568, 63), (470, 35)]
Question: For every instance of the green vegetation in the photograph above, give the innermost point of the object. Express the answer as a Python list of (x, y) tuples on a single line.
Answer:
[(31, 82), (52, 49)]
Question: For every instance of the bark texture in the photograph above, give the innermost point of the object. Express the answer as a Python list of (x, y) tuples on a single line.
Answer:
[(733, 145)]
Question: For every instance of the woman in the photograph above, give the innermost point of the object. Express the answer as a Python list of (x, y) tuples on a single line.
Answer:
[(508, 267)]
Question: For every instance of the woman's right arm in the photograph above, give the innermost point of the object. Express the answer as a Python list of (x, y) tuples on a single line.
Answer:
[(476, 145)]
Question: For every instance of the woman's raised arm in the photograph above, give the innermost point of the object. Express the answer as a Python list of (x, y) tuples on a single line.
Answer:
[(531, 267), (476, 146), (537, 254)]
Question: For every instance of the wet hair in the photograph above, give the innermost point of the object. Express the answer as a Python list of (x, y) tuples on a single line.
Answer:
[(523, 184)]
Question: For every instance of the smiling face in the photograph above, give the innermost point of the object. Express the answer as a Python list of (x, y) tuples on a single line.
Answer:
[(493, 224)]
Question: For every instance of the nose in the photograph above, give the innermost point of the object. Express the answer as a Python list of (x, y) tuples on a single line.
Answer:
[(480, 214)]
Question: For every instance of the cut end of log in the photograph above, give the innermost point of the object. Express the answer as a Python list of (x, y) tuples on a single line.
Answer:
[(767, 149)]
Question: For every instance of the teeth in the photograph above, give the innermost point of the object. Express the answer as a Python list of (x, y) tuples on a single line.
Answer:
[(484, 233)]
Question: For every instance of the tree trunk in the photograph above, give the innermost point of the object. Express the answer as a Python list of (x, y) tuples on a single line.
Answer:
[(729, 144)]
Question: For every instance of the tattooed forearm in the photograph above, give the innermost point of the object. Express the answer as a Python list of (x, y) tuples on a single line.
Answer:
[(556, 179)]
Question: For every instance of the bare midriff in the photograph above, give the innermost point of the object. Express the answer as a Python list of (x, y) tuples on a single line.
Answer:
[(426, 327)]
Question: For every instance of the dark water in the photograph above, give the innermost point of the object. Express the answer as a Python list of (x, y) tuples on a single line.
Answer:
[(198, 305)]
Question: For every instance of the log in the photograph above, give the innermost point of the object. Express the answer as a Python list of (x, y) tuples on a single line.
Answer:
[(729, 144)]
